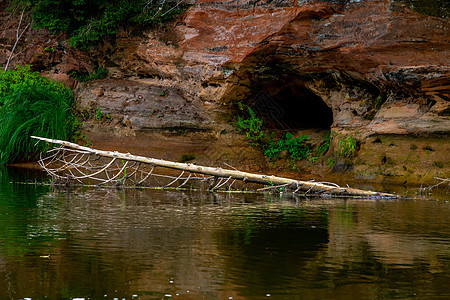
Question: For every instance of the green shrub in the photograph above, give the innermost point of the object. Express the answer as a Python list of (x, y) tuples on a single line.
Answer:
[(38, 107), (298, 148), (99, 114), (13, 80), (274, 148), (88, 22)]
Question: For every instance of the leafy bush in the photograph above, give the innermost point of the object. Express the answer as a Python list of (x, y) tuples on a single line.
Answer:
[(38, 107), (13, 80), (88, 22)]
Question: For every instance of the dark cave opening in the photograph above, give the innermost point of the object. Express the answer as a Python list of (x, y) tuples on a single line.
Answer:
[(291, 106)]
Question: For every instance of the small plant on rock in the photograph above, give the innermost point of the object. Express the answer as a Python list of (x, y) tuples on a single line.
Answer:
[(99, 114), (323, 148), (97, 73), (296, 148), (251, 127)]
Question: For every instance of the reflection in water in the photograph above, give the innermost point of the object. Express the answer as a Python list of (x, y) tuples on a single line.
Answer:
[(192, 245), (267, 248)]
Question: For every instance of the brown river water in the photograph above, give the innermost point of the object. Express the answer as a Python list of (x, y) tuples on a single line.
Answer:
[(93, 243)]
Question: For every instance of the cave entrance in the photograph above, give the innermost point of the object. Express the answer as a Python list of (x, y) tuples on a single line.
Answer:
[(291, 106)]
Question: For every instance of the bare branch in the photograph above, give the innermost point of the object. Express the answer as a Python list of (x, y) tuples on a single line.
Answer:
[(18, 36)]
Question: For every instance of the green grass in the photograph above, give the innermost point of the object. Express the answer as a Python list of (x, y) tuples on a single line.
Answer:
[(348, 146), (33, 109), (323, 147)]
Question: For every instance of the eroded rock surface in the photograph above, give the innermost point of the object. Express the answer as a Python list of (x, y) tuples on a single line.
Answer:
[(142, 105)]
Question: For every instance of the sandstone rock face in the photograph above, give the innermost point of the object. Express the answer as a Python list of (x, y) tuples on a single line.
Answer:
[(372, 69), (353, 55), (142, 105)]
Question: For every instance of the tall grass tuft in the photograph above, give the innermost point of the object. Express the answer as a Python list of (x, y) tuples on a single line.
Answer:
[(33, 109)]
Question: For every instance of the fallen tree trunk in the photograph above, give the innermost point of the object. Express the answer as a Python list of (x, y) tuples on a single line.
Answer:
[(272, 182)]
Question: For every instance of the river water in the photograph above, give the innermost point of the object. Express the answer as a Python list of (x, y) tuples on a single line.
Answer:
[(97, 243)]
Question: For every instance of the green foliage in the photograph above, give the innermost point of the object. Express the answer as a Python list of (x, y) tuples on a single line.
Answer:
[(331, 162), (297, 148), (13, 80), (86, 112), (323, 148), (348, 146), (98, 114), (49, 49), (379, 101), (251, 127), (98, 73), (313, 158), (274, 148), (33, 109), (88, 22)]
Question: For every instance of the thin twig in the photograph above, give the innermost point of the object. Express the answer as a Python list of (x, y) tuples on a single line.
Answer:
[(147, 176), (184, 182), (17, 41), (173, 181), (219, 186)]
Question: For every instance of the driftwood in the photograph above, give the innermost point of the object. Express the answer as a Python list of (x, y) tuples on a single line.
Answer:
[(78, 165)]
